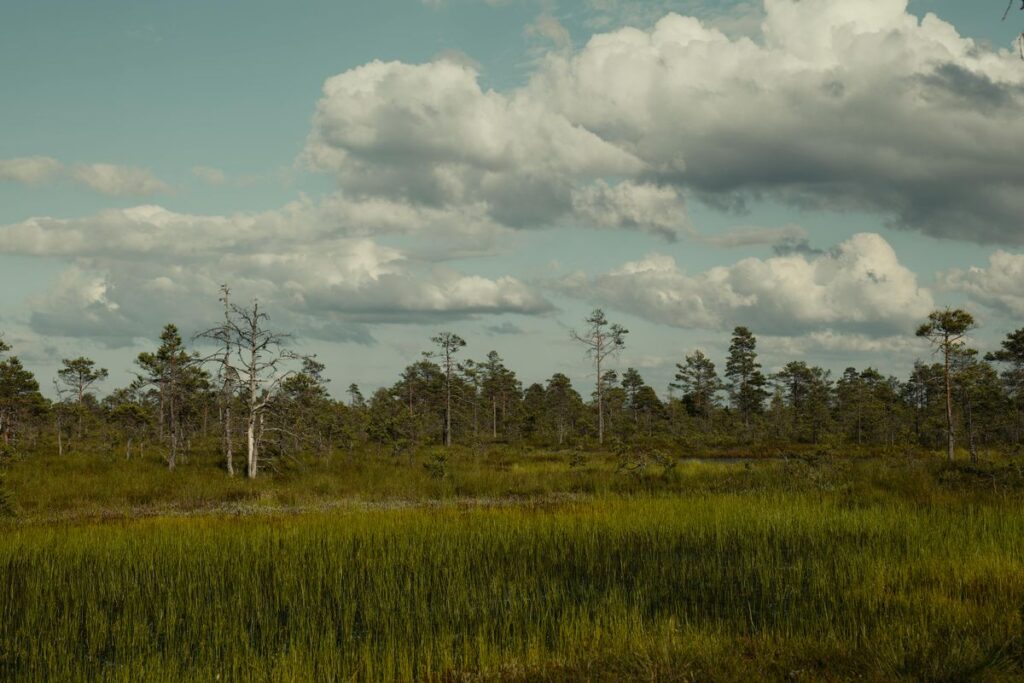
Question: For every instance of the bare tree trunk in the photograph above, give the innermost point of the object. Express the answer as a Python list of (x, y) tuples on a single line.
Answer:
[(229, 459), (970, 430), (259, 434), (949, 408), (600, 399), (173, 432), (448, 403), (250, 434)]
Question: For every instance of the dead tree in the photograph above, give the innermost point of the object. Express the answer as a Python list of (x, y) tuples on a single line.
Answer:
[(253, 363)]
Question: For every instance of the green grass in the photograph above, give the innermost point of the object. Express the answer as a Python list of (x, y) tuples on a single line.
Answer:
[(512, 565), (40, 487), (720, 586)]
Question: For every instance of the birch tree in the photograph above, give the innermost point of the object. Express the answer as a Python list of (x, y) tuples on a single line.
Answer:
[(600, 340)]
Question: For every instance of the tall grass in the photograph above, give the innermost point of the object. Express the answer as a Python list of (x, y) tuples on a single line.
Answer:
[(732, 586)]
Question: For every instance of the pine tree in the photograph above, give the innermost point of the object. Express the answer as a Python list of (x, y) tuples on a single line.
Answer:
[(699, 382), (946, 330), (746, 384), (601, 339)]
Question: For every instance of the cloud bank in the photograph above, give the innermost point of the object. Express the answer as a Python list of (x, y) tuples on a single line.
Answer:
[(858, 286)]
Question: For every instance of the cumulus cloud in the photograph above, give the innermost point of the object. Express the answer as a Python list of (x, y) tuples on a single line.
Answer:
[(120, 181), (999, 286), (161, 233), (134, 269), (429, 134), (29, 170), (860, 285), (852, 105), (644, 207), (855, 105)]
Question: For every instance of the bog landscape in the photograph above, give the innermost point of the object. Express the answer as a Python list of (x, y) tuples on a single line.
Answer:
[(564, 340)]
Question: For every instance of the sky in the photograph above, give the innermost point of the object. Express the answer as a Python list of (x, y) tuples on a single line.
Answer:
[(825, 172)]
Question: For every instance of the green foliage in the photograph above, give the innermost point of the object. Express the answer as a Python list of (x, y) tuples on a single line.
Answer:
[(746, 586), (746, 381)]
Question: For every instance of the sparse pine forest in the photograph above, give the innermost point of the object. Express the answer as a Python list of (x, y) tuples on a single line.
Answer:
[(238, 392), (227, 516)]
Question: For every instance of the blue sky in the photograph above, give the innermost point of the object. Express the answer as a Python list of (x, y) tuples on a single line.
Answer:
[(823, 171)]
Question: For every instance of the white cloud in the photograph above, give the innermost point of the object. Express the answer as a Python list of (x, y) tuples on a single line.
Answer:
[(844, 105), (644, 207), (547, 27), (29, 170), (1000, 285), (209, 175), (120, 181), (132, 270), (854, 105), (831, 343), (161, 233), (859, 285), (430, 135), (107, 179)]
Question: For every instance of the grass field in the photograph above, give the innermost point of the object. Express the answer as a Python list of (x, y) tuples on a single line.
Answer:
[(777, 571)]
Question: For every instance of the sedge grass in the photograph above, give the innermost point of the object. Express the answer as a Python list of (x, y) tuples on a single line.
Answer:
[(710, 586)]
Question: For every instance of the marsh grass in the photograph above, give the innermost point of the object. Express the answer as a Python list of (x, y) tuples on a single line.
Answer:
[(512, 565), (721, 586), (42, 487)]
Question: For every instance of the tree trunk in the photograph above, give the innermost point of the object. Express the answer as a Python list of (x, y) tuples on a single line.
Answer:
[(949, 407), (970, 430), (172, 431), (229, 459), (448, 404), (600, 399), (250, 435)]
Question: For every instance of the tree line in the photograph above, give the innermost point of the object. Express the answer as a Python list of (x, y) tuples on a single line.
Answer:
[(250, 397)]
